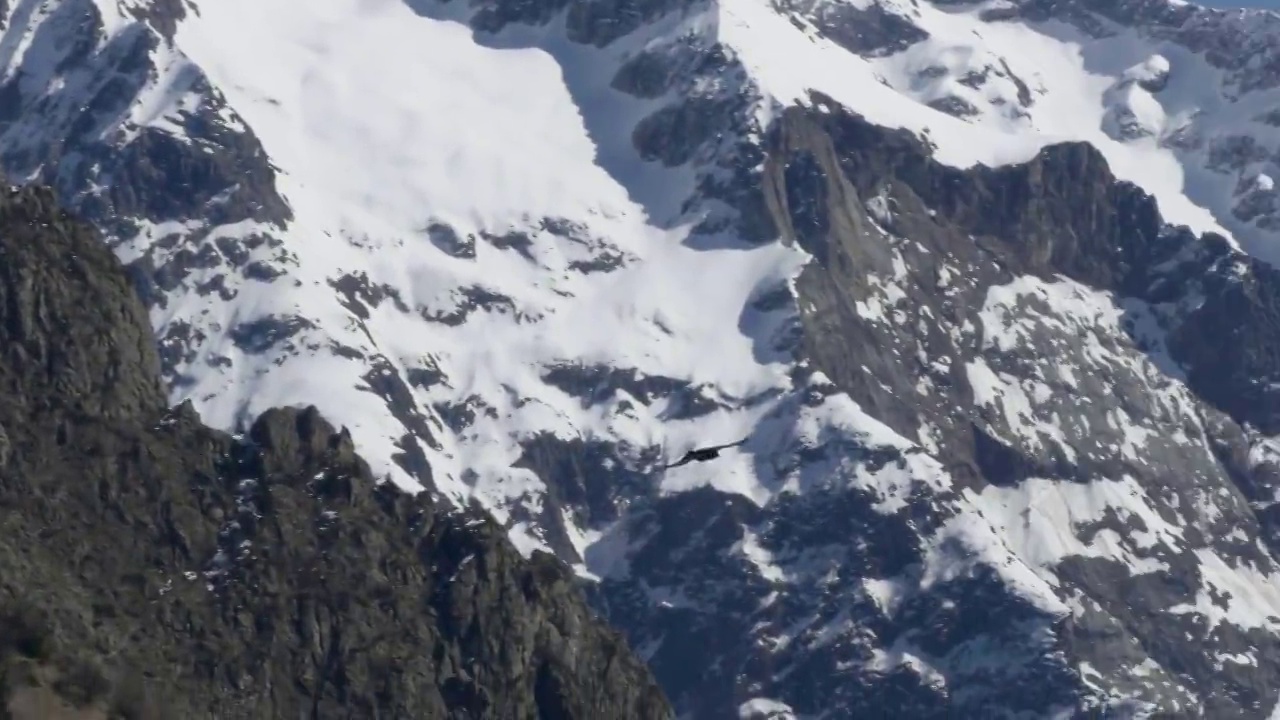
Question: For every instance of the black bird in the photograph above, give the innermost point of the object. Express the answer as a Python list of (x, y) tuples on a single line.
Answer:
[(702, 454)]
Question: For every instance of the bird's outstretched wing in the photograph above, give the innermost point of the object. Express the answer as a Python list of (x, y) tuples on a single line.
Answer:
[(729, 445), (702, 454), (688, 458)]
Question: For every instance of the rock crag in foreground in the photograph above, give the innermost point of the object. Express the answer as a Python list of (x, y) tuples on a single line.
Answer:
[(151, 567)]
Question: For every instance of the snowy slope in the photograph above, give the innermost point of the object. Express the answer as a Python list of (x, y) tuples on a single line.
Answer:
[(529, 252), (468, 148), (1189, 126), (440, 150)]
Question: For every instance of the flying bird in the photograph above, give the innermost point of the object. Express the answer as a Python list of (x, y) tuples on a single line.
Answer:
[(702, 454)]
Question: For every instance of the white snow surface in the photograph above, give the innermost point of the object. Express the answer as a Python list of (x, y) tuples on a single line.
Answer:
[(1068, 76), (383, 120), (765, 709)]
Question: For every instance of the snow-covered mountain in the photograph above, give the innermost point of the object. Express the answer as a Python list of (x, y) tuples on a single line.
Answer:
[(983, 286)]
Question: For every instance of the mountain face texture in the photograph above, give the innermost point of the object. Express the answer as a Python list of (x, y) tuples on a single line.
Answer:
[(982, 296), (151, 567)]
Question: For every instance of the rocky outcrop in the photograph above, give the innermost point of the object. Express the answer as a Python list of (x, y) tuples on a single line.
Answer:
[(1046, 337), (153, 568), (1076, 368)]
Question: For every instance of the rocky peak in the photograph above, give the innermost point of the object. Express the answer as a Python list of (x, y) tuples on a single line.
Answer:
[(151, 567), (74, 336), (975, 289)]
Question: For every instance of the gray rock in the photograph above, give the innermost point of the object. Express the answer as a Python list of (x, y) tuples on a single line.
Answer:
[(151, 567)]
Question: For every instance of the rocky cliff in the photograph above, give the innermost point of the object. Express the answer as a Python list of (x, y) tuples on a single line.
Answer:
[(1084, 518), (151, 567)]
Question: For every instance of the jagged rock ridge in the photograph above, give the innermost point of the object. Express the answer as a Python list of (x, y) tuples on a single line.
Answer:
[(151, 567)]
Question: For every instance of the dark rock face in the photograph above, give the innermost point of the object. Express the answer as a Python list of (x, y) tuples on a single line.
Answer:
[(67, 122), (1241, 45), (152, 568), (163, 15), (949, 354), (872, 31), (443, 236), (1064, 214), (589, 23), (940, 301), (75, 338), (231, 180), (1231, 344)]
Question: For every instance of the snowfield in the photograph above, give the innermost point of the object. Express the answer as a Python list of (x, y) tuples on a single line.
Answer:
[(384, 121)]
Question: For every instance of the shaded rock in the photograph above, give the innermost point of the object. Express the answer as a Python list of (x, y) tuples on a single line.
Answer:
[(443, 236), (151, 567)]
